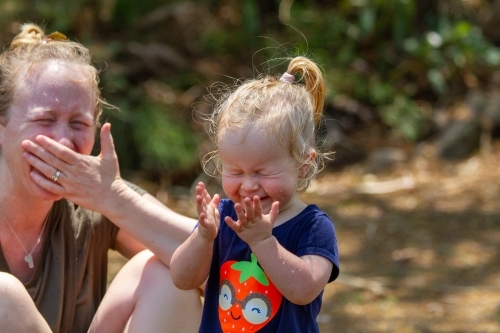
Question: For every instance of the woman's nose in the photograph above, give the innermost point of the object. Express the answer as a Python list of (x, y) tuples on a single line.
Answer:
[(63, 135), (68, 143)]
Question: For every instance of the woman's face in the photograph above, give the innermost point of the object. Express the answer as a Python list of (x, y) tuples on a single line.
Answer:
[(53, 98)]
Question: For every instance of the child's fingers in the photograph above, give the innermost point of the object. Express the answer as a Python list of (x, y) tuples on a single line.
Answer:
[(240, 213), (207, 227), (200, 204), (217, 216), (199, 188), (249, 212), (275, 210), (202, 191), (232, 224), (257, 207), (216, 199), (203, 223), (206, 196)]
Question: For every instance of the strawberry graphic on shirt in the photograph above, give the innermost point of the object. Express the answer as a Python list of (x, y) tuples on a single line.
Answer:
[(248, 300)]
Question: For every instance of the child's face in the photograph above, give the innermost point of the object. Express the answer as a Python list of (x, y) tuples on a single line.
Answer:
[(253, 165)]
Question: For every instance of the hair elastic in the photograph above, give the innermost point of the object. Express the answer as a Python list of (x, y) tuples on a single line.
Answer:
[(286, 77), (56, 35)]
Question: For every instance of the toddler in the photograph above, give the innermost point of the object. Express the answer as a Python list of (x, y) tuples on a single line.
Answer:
[(267, 255)]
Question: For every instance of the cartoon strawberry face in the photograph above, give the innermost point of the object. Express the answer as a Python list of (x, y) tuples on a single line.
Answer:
[(247, 298)]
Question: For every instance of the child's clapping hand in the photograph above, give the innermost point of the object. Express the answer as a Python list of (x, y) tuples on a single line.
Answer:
[(253, 226), (209, 218)]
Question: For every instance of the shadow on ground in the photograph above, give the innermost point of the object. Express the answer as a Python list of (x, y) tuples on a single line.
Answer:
[(416, 271)]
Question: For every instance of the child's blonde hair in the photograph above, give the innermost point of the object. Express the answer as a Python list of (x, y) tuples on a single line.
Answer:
[(289, 110)]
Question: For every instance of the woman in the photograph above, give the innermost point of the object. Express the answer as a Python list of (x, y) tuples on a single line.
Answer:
[(62, 209)]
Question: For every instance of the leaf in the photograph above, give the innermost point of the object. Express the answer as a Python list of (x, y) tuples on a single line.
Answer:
[(437, 80), (250, 269)]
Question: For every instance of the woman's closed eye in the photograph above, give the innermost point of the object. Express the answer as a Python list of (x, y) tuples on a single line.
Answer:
[(45, 121), (78, 124)]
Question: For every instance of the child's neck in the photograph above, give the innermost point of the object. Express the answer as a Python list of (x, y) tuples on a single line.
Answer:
[(295, 209)]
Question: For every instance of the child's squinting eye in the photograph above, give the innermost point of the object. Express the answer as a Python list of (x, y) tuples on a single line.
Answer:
[(232, 172)]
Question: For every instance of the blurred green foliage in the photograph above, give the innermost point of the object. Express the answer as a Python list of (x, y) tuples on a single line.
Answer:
[(158, 58)]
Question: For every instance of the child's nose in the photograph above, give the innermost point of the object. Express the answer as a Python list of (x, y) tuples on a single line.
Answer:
[(249, 184)]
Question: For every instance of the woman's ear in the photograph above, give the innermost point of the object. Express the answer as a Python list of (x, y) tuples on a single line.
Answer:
[(308, 160), (2, 126)]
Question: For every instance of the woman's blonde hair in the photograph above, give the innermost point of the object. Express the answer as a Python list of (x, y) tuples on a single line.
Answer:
[(31, 46), (290, 108)]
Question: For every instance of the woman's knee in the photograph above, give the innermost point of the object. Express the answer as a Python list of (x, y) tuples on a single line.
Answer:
[(158, 299), (157, 286), (17, 310), (13, 294), (144, 275), (153, 273)]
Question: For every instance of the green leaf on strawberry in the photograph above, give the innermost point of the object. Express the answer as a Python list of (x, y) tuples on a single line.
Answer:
[(251, 269)]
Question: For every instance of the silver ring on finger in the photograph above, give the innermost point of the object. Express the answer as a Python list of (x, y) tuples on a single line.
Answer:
[(56, 175)]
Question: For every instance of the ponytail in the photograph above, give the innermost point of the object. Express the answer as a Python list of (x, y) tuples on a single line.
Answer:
[(313, 78)]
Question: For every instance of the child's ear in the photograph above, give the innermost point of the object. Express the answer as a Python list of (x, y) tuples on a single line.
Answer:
[(308, 160)]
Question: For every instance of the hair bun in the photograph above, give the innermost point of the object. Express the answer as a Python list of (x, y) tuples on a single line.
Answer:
[(30, 33)]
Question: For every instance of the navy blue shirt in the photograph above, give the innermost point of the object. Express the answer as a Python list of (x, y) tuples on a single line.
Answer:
[(239, 295)]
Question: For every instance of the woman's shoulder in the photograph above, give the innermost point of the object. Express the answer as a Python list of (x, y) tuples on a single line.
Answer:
[(70, 219), (68, 214)]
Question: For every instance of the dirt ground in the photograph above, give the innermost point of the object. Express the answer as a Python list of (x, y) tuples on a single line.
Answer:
[(419, 246)]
